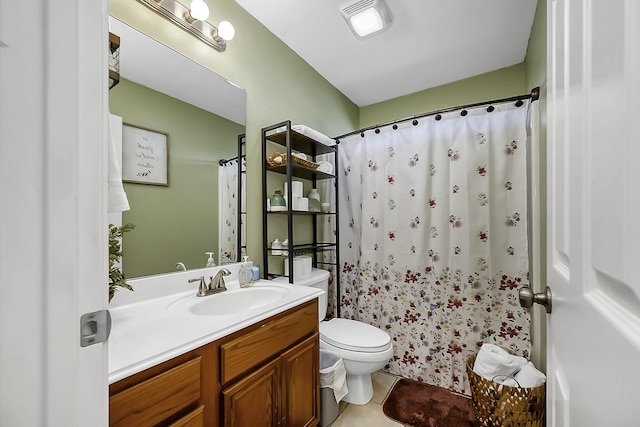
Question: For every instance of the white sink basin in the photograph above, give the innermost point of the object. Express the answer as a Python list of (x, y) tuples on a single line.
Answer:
[(233, 301)]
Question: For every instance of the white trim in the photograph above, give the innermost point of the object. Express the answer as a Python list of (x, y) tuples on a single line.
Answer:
[(53, 243)]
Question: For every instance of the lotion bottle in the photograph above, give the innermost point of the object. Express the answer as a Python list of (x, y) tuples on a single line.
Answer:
[(245, 275)]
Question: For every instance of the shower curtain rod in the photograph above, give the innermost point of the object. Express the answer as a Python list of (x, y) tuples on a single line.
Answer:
[(223, 162), (534, 96)]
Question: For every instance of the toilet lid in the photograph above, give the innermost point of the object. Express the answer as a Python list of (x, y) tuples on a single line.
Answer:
[(352, 335)]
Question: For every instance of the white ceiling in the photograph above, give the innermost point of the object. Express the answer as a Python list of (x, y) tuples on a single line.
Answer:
[(430, 43)]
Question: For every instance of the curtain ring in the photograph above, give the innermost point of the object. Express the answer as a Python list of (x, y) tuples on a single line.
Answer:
[(415, 122), (463, 113), (362, 134), (377, 131), (395, 127), (519, 103), (438, 117), (490, 109)]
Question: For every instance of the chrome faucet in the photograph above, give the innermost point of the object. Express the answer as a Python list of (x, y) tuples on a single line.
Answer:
[(217, 281), (215, 285)]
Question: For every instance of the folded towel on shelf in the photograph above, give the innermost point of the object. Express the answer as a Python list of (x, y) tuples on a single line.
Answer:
[(529, 376), (311, 133), (495, 362), (325, 167)]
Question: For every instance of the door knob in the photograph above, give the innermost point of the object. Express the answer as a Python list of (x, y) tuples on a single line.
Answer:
[(527, 298)]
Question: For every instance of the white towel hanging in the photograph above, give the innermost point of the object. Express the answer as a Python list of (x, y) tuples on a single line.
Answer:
[(117, 201)]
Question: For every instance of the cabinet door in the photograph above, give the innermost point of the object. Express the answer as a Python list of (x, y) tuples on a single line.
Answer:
[(255, 400), (301, 384)]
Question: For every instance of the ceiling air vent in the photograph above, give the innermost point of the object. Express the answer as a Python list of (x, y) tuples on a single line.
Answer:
[(366, 17)]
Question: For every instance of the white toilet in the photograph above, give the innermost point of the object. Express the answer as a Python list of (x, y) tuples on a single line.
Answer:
[(363, 348)]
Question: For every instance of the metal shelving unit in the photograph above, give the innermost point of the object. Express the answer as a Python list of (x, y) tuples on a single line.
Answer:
[(293, 141), (242, 213)]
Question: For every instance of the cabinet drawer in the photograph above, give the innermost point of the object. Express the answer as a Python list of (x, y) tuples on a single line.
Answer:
[(157, 398), (194, 418), (254, 347)]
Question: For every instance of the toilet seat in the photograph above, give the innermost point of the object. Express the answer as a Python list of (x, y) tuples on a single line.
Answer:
[(354, 336)]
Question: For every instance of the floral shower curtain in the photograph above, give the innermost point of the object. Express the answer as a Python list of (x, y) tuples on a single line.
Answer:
[(433, 238), (228, 221)]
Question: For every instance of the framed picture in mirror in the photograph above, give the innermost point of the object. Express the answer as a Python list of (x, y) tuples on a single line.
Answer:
[(145, 155)]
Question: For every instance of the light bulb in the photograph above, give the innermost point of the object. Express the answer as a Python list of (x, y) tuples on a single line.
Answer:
[(199, 10), (226, 30), (366, 22)]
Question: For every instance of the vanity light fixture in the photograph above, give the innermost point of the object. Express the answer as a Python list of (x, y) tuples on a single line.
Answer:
[(193, 20), (199, 10), (367, 17)]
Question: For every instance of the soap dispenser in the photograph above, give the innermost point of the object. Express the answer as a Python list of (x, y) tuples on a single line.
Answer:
[(245, 275), (210, 261)]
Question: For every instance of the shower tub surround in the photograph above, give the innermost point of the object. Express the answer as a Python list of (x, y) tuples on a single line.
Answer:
[(146, 332)]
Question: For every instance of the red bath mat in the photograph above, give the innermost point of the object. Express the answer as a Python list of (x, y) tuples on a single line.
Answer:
[(416, 404)]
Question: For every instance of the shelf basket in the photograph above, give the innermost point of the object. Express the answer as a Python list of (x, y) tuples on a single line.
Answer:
[(498, 405), (306, 163)]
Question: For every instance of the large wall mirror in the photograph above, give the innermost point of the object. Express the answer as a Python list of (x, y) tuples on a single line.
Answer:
[(203, 117)]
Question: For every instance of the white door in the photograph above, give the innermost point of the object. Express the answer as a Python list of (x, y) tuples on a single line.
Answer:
[(594, 213), (53, 241)]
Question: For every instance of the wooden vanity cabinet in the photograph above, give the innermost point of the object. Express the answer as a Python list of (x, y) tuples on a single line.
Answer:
[(266, 374), (271, 375), (254, 400), (181, 392), (301, 391)]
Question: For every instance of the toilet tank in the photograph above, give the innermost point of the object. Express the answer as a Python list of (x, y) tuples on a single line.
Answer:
[(317, 279)]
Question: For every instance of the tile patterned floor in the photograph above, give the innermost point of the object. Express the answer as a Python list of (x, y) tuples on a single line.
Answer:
[(371, 414)]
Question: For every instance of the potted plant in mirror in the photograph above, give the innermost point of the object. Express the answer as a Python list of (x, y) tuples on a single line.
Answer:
[(116, 278)]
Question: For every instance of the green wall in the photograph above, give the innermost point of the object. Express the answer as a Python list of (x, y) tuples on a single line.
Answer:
[(178, 222), (279, 84), (502, 83)]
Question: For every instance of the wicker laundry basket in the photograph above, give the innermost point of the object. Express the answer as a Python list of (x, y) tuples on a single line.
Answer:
[(498, 405)]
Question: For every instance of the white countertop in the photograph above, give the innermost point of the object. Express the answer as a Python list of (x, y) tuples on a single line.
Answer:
[(145, 332)]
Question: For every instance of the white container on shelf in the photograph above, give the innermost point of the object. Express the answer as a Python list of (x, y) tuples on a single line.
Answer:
[(313, 194), (296, 189), (276, 247), (301, 204), (301, 267)]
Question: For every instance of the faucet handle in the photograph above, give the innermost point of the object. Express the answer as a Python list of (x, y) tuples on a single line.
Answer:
[(202, 288)]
